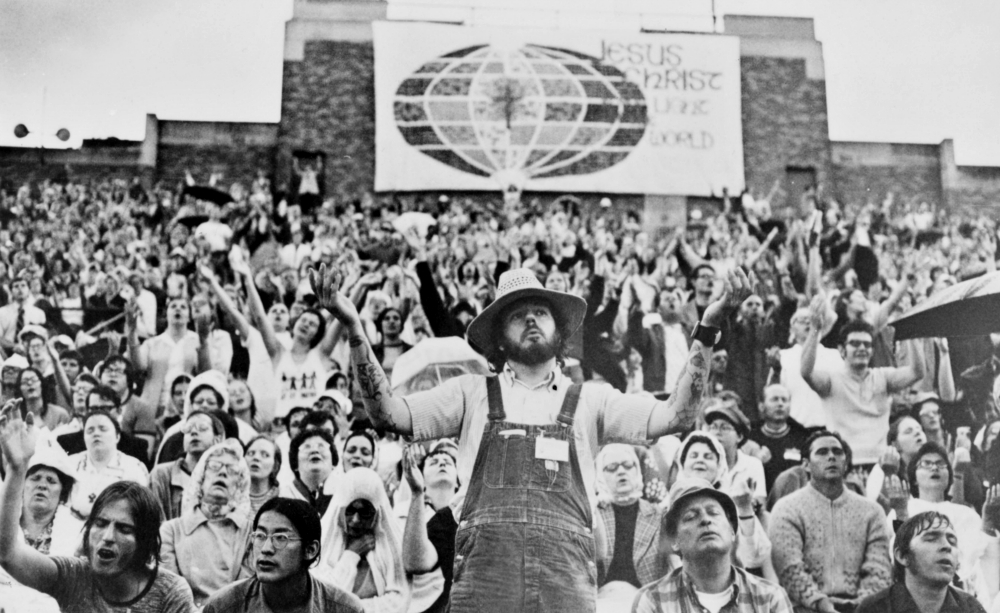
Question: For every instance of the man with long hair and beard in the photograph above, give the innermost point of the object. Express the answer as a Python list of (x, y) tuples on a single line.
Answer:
[(528, 438)]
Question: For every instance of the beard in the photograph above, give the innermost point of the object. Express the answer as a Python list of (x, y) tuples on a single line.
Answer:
[(532, 353)]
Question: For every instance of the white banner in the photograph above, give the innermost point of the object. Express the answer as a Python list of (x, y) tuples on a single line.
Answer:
[(469, 108)]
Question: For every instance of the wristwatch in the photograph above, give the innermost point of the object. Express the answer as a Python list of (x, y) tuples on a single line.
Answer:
[(708, 336)]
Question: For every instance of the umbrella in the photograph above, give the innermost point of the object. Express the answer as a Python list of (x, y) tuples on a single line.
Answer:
[(968, 308), (192, 221), (433, 361)]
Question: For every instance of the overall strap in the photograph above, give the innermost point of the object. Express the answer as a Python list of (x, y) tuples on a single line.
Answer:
[(494, 399), (569, 405)]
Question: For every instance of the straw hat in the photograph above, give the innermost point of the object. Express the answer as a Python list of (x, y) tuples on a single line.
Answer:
[(516, 285)]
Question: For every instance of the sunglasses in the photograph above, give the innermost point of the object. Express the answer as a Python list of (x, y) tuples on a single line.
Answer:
[(613, 467), (364, 512)]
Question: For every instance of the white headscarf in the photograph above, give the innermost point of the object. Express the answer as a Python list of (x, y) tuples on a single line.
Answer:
[(386, 560), (601, 487), (240, 501), (720, 451)]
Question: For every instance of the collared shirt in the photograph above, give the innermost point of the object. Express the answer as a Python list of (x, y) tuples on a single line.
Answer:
[(459, 407), (675, 594), (91, 479), (897, 599)]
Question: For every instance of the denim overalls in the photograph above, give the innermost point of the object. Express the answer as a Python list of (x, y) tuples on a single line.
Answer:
[(525, 541)]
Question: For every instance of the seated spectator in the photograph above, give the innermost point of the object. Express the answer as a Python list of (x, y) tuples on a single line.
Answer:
[(138, 416), (932, 480), (726, 421), (362, 548), (46, 525), (206, 545), (312, 457), (120, 542), (830, 545), (29, 389), (429, 532), (103, 398), (71, 362), (101, 464), (82, 386), (626, 527), (264, 460), (207, 392), (778, 433), (926, 559), (286, 544), (174, 410), (702, 456), (701, 522), (169, 480)]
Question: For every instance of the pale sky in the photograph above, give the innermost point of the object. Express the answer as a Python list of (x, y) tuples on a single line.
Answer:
[(913, 71)]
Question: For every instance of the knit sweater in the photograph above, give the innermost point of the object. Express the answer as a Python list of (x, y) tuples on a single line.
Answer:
[(824, 547)]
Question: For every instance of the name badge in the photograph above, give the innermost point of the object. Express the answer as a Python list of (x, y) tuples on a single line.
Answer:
[(551, 449), (793, 455)]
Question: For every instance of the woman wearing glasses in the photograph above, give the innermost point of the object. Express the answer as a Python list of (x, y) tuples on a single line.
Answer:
[(286, 544), (169, 480), (627, 528), (207, 544), (931, 477), (362, 545)]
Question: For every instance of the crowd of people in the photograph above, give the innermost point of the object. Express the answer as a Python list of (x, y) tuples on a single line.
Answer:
[(202, 407)]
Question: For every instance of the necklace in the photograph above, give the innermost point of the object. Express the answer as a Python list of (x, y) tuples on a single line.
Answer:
[(42, 541)]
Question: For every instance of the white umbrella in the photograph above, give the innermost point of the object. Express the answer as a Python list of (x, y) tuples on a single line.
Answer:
[(434, 361)]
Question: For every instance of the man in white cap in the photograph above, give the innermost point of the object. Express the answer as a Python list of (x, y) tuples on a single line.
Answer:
[(528, 438), (701, 523)]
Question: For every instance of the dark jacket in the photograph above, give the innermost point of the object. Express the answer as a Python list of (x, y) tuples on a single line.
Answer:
[(897, 599)]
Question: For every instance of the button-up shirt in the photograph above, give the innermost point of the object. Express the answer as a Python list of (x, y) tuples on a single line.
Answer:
[(897, 599), (675, 594), (459, 407)]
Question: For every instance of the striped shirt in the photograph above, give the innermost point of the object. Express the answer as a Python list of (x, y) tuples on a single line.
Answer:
[(675, 594)]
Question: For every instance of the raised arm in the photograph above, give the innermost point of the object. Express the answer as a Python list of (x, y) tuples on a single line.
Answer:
[(818, 380), (419, 554), (17, 442), (227, 303), (132, 337), (257, 311), (384, 409), (680, 410)]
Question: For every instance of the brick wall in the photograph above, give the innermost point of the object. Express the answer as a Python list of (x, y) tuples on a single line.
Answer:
[(235, 163), (328, 105), (864, 184), (976, 187), (784, 121)]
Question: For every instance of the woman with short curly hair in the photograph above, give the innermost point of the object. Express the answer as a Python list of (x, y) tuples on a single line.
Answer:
[(207, 544)]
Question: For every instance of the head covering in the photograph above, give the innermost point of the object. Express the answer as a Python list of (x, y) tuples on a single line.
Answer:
[(338, 397), (687, 488), (601, 487), (33, 330), (700, 436), (518, 284), (731, 413), (17, 361), (214, 379), (240, 501), (386, 559), (55, 458)]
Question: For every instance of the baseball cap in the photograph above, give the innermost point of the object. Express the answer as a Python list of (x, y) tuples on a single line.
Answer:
[(693, 487)]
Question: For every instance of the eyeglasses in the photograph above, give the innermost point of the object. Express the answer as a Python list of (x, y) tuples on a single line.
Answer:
[(218, 465), (859, 344), (720, 426), (613, 467), (932, 464), (362, 512), (279, 541), (706, 276)]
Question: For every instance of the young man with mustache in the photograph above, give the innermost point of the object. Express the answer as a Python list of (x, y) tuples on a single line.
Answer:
[(528, 438)]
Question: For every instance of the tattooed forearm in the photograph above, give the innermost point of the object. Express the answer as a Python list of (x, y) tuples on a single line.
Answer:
[(372, 383), (682, 407)]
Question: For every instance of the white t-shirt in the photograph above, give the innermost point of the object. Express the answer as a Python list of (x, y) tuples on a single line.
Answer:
[(806, 407), (300, 382), (714, 602)]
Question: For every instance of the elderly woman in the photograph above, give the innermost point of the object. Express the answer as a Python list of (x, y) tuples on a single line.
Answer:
[(312, 456), (264, 460), (169, 480), (627, 528), (702, 456), (47, 525), (362, 547), (207, 544), (101, 464)]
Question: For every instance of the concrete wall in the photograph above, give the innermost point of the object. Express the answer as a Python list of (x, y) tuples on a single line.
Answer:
[(867, 172)]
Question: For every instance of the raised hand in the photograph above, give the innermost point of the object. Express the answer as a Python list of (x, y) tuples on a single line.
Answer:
[(991, 510), (897, 492), (207, 273), (17, 436), (131, 313), (238, 263), (742, 495), (412, 456), (817, 312), (737, 288), (890, 461), (326, 284), (362, 544)]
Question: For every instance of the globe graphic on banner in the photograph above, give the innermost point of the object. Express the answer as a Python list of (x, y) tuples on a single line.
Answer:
[(518, 114)]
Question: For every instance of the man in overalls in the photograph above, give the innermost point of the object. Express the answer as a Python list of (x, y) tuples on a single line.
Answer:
[(528, 439)]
